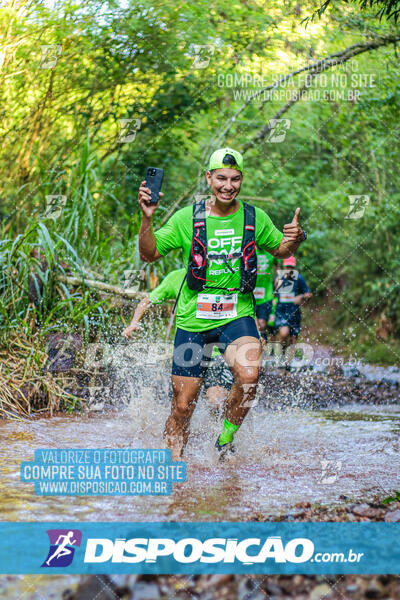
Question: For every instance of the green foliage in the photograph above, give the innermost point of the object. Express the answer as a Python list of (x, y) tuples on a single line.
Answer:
[(395, 498), (379, 353), (30, 290), (385, 8), (61, 135)]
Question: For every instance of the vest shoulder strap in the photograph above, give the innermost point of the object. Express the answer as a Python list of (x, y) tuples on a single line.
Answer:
[(249, 232), (199, 213)]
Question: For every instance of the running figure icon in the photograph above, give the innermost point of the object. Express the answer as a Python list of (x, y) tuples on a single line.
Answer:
[(62, 549)]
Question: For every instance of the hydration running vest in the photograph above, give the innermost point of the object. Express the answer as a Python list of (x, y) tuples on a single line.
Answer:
[(197, 265)]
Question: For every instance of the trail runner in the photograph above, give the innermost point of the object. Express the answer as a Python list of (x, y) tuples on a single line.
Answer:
[(216, 306), (291, 291), (219, 378), (167, 290), (264, 290)]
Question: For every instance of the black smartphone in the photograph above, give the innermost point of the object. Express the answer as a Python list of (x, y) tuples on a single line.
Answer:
[(154, 178)]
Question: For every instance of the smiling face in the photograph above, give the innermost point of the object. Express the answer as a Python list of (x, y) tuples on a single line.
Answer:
[(225, 184)]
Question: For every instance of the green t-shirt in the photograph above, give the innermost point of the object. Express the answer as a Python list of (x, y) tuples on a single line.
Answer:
[(224, 235), (264, 290), (168, 288)]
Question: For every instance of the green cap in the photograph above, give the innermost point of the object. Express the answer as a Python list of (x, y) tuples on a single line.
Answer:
[(217, 159)]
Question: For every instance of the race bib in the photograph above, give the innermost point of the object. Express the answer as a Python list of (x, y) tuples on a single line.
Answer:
[(216, 306), (259, 293), (289, 297)]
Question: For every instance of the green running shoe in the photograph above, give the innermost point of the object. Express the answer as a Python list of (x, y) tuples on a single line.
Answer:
[(224, 449)]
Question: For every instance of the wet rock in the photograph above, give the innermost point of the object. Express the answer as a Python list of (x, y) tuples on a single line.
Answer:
[(319, 368), (271, 587), (331, 579), (96, 586), (374, 590), (213, 581), (367, 511), (321, 591), (61, 351), (274, 589), (376, 374), (349, 370), (335, 370), (321, 391), (245, 586), (352, 588), (254, 595), (123, 583), (248, 589), (298, 580), (145, 591), (393, 516), (97, 407), (295, 514), (164, 589)]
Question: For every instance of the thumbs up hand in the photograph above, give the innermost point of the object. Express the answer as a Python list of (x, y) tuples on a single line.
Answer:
[(292, 232), (296, 216)]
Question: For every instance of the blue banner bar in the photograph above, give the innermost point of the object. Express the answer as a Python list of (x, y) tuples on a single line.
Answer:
[(258, 548)]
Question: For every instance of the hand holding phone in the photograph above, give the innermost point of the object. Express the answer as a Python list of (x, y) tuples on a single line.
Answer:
[(149, 191), (154, 179)]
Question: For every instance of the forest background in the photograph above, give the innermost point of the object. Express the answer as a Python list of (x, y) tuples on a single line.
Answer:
[(93, 92)]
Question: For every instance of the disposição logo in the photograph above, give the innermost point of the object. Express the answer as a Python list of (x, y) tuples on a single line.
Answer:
[(62, 547)]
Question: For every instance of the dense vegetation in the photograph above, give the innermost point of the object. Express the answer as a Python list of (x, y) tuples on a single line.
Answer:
[(93, 92)]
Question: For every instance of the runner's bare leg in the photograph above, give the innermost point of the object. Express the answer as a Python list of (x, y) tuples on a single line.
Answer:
[(262, 325), (185, 394), (283, 337), (243, 356)]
